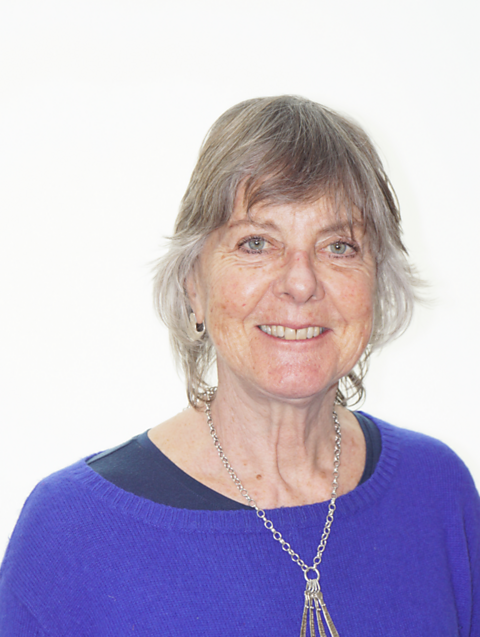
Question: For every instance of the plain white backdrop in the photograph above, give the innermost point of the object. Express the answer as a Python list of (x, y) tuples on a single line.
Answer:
[(103, 108)]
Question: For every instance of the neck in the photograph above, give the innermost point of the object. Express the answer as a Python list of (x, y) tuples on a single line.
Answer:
[(282, 450)]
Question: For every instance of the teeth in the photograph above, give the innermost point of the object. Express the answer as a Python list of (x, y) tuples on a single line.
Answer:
[(290, 334)]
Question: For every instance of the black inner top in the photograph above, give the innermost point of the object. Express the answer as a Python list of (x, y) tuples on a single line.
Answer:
[(138, 466)]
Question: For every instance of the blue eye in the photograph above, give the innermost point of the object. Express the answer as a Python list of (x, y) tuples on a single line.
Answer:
[(256, 244), (338, 247)]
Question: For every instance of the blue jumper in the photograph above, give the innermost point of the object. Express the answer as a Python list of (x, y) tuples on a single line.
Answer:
[(88, 559)]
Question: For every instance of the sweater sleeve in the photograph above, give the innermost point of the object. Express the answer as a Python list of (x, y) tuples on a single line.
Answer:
[(15, 619), (35, 569), (472, 532)]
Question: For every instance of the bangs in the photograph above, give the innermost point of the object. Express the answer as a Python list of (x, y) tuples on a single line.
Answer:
[(304, 154)]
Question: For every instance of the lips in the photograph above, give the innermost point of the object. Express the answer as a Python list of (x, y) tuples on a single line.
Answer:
[(289, 334)]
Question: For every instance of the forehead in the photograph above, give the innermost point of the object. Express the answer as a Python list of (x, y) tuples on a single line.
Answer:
[(323, 211)]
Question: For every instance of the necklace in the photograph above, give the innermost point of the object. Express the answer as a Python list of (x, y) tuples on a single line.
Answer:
[(314, 604)]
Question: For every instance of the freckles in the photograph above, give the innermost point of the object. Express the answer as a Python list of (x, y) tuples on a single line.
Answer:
[(237, 293), (356, 297)]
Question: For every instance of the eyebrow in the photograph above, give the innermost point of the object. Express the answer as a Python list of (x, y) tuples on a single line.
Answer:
[(250, 222)]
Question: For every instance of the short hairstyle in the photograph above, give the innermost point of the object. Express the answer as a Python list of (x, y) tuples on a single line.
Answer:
[(285, 149)]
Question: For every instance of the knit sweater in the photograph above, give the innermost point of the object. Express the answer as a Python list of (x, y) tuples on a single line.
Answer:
[(403, 559)]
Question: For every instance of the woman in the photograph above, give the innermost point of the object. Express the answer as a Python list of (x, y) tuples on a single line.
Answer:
[(287, 268)]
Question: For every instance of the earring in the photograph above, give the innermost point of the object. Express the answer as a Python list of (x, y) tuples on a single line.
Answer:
[(196, 330)]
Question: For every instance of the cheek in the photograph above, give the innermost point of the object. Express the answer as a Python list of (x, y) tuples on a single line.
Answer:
[(230, 301), (356, 299), (361, 301), (234, 294)]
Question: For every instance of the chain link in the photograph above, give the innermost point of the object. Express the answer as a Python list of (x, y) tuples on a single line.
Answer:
[(268, 524)]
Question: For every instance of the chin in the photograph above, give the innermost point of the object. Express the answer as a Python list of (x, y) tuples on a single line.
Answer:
[(301, 385)]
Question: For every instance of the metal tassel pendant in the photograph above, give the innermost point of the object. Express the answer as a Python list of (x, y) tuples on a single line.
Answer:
[(313, 609)]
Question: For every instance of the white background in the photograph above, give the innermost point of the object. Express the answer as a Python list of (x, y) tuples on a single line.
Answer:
[(103, 108)]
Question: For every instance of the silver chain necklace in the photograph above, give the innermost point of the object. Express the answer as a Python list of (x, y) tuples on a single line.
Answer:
[(314, 604)]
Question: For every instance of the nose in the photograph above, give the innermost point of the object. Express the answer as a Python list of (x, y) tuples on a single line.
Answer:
[(299, 280)]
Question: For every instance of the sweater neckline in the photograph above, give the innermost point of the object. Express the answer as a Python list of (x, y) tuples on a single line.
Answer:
[(239, 520)]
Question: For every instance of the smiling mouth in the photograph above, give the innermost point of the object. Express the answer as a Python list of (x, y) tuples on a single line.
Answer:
[(289, 334)]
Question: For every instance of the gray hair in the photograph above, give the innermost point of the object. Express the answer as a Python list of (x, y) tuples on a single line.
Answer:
[(285, 149)]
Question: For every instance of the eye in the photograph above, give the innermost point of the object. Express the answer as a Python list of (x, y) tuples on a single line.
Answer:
[(257, 243), (341, 248), (254, 244)]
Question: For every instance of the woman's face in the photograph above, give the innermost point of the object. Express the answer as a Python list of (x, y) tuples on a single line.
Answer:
[(287, 296)]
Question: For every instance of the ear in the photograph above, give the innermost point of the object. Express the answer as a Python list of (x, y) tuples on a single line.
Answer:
[(192, 286)]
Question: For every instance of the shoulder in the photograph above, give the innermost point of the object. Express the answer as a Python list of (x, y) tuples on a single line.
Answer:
[(73, 521), (63, 514), (57, 489), (53, 522), (59, 502), (427, 486), (425, 460)]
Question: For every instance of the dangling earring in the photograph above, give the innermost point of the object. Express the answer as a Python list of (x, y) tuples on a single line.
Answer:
[(196, 330)]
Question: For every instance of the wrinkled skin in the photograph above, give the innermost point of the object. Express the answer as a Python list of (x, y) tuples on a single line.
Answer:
[(294, 265)]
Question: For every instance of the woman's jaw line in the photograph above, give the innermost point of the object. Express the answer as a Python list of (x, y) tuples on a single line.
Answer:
[(291, 334)]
